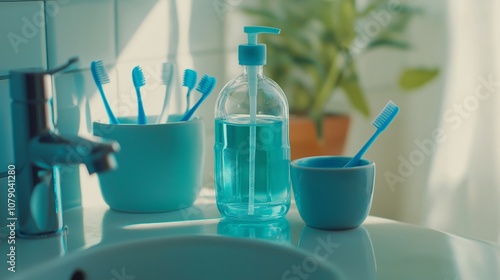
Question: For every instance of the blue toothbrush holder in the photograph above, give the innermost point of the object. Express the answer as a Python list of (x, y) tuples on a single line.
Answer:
[(160, 166), (329, 196)]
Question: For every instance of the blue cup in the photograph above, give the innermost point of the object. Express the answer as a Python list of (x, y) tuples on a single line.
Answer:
[(329, 196), (160, 166)]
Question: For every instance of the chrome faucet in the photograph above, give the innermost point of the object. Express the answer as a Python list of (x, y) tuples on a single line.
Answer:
[(39, 149)]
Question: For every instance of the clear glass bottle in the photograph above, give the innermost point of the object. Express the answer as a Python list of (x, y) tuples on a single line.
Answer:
[(252, 150)]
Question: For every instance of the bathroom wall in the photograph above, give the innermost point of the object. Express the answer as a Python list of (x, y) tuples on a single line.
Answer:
[(122, 33), (403, 198), (203, 35), (379, 70)]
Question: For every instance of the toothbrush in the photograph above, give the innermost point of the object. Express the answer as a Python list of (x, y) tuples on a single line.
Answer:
[(167, 78), (381, 122), (139, 81), (101, 77), (205, 87), (189, 81)]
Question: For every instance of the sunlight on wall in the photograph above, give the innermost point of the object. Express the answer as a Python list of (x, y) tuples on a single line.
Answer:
[(184, 8), (146, 30)]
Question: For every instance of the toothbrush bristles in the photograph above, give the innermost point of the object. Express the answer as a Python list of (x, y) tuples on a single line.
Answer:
[(138, 77), (206, 84), (100, 71), (166, 72), (189, 79), (386, 116)]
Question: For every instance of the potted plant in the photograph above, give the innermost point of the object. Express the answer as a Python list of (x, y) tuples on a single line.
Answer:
[(315, 56)]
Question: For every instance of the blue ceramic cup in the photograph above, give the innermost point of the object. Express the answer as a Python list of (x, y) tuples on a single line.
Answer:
[(160, 166), (329, 196)]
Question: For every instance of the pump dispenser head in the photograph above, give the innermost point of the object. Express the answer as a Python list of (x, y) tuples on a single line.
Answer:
[(253, 53)]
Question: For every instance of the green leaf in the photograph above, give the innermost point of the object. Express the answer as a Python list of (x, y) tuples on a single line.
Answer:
[(344, 19), (355, 95), (407, 10), (388, 43), (385, 5), (327, 87), (399, 23), (413, 78)]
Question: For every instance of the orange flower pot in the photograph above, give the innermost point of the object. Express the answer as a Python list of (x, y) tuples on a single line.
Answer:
[(304, 140)]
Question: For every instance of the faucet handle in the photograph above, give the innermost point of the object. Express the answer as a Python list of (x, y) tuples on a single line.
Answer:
[(70, 62)]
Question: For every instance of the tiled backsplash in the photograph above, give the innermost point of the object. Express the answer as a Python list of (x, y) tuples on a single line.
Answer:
[(22, 36), (122, 33)]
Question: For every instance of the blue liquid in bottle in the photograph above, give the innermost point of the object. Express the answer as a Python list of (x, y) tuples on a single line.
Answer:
[(232, 164)]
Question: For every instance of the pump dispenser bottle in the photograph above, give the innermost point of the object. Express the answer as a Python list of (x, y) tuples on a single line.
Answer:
[(252, 150)]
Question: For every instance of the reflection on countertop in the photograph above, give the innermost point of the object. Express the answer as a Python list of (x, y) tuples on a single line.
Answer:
[(379, 249)]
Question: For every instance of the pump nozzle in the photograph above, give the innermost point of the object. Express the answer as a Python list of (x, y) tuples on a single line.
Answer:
[(254, 53), (254, 31)]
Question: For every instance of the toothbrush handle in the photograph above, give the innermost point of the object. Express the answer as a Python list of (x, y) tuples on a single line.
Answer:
[(163, 116), (141, 116), (188, 100), (112, 118), (190, 113), (354, 161)]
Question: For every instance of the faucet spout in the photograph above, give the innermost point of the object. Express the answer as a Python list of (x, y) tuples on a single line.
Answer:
[(37, 175)]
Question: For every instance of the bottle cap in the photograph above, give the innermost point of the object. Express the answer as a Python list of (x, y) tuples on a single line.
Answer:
[(254, 53)]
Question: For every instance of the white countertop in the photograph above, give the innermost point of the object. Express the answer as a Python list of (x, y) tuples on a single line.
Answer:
[(379, 249)]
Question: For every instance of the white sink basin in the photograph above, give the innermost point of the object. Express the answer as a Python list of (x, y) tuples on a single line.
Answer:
[(187, 258)]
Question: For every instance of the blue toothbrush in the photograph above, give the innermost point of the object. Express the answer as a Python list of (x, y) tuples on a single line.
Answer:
[(381, 122), (139, 81), (205, 87), (101, 77), (189, 81)]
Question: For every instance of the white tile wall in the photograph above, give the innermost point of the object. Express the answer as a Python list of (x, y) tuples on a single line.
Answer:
[(206, 29), (84, 28), (211, 64), (22, 31), (234, 21), (145, 29), (122, 33), (79, 102)]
